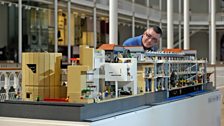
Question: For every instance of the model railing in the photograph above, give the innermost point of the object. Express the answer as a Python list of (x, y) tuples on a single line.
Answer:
[(10, 83)]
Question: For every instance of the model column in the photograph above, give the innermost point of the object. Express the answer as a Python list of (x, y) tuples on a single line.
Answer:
[(186, 24), (213, 32), (113, 23), (169, 24)]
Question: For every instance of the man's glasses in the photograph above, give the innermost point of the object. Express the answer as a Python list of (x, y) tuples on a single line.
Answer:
[(149, 36)]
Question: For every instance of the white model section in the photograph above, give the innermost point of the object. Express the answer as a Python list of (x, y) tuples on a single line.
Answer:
[(116, 72), (124, 74)]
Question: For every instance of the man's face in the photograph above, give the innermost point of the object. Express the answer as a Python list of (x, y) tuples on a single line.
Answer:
[(150, 38)]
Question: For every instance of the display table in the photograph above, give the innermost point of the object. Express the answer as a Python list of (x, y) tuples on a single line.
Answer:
[(195, 110)]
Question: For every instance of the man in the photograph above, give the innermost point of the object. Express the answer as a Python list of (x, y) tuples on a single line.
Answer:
[(149, 40)]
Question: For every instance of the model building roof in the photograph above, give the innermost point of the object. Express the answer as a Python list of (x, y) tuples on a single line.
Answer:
[(107, 47)]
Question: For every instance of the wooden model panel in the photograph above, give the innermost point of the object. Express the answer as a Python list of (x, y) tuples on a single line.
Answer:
[(45, 83), (47, 72), (75, 82)]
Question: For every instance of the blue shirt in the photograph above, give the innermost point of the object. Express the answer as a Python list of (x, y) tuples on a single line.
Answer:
[(137, 41)]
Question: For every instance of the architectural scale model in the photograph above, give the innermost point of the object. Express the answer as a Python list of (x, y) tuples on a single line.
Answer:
[(112, 78), (95, 80)]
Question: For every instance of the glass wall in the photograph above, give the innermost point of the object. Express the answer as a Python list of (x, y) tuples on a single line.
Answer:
[(38, 27), (9, 31)]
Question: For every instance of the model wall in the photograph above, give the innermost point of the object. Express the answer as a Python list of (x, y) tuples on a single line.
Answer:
[(41, 76)]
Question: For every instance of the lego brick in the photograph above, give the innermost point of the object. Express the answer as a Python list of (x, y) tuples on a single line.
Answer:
[(33, 93), (57, 92), (102, 85), (153, 86), (28, 91), (76, 98), (82, 83), (30, 72), (63, 92), (58, 57), (24, 68), (47, 70), (36, 93), (36, 75), (52, 69), (25, 77), (41, 69), (52, 92), (76, 82), (46, 92), (74, 78), (141, 82), (45, 81)]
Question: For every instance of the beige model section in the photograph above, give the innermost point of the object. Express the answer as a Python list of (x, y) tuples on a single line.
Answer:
[(76, 83), (141, 76), (41, 76), (77, 76), (87, 56)]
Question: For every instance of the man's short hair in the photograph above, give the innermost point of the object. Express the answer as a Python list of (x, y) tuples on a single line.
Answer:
[(158, 30)]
